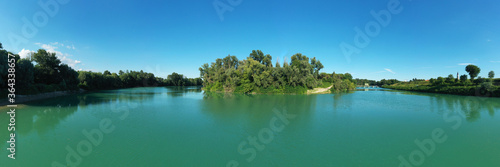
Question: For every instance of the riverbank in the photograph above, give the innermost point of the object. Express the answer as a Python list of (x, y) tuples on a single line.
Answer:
[(26, 98), (320, 90), (455, 90)]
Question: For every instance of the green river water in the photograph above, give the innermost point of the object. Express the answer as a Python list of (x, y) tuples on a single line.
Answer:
[(175, 126)]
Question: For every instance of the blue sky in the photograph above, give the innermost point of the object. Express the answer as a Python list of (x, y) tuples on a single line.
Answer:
[(424, 39)]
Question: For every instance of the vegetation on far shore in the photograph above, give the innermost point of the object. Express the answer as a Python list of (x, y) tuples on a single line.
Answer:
[(256, 74), (485, 87), (43, 72)]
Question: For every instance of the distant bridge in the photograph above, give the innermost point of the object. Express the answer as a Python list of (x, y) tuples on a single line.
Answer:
[(363, 86), (367, 86)]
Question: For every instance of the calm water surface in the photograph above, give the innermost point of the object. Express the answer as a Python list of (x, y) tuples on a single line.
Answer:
[(186, 127)]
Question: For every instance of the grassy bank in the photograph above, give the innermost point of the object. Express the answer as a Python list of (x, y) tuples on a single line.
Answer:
[(483, 89)]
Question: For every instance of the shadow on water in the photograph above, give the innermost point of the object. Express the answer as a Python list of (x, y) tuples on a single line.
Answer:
[(224, 105), (177, 91), (471, 107), (43, 115), (255, 110), (340, 99)]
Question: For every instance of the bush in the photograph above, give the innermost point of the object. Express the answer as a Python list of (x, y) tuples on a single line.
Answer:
[(83, 85), (342, 85), (325, 84), (487, 86), (485, 89), (496, 82), (295, 90), (30, 90), (479, 80), (43, 88)]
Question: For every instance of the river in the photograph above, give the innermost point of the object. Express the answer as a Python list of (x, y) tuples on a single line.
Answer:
[(175, 126)]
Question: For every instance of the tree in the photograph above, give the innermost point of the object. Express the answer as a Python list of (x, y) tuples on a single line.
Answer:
[(4, 66), (230, 62), (24, 73), (316, 65), (257, 55), (297, 60), (491, 75), (487, 86), (46, 59), (473, 71), (463, 78), (450, 79), (432, 81), (69, 77), (106, 72), (267, 61), (348, 76), (479, 80), (176, 79), (46, 69), (440, 81)]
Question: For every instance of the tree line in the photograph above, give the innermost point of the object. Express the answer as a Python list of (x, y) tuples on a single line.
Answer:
[(43, 72), (463, 80), (361, 82), (462, 85), (128, 79)]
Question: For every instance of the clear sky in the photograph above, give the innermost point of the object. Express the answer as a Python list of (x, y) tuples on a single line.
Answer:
[(424, 39)]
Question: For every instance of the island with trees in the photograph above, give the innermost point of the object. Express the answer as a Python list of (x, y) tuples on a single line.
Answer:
[(43, 72), (256, 74)]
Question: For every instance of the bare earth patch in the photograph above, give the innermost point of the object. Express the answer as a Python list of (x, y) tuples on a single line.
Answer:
[(319, 90)]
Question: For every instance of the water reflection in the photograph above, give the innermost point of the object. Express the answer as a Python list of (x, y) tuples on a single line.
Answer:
[(43, 115), (176, 91), (342, 99), (370, 89), (469, 106), (255, 110)]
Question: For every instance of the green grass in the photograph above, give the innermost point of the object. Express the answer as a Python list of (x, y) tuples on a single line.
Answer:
[(476, 90), (325, 84)]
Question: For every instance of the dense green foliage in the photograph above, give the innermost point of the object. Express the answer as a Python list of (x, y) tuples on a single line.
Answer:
[(342, 82), (46, 76), (107, 80), (362, 82), (473, 71), (4, 67), (450, 85), (339, 82), (463, 78), (49, 75), (25, 73), (256, 74), (485, 89)]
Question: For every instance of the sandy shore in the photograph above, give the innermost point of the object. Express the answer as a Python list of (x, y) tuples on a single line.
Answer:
[(319, 90), (25, 98)]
